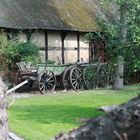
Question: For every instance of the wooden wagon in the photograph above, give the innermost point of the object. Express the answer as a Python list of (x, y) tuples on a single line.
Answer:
[(76, 76), (49, 76)]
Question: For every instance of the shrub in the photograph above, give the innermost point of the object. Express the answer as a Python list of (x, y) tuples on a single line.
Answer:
[(3, 44), (21, 52)]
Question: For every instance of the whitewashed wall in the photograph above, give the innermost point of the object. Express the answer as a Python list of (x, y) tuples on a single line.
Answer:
[(18, 36), (38, 38), (70, 42), (21, 37), (55, 45), (84, 53), (54, 42)]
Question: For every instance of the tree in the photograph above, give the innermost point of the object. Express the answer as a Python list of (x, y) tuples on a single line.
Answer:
[(118, 83), (128, 36), (122, 35)]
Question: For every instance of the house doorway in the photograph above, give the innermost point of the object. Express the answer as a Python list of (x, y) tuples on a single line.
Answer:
[(97, 51)]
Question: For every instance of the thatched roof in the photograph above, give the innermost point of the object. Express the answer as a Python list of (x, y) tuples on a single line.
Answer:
[(77, 15)]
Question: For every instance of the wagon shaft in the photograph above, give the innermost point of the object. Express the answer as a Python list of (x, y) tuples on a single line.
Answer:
[(16, 87)]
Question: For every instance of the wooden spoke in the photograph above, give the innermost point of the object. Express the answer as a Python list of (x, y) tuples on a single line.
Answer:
[(90, 76), (47, 82), (104, 75), (76, 79), (65, 78)]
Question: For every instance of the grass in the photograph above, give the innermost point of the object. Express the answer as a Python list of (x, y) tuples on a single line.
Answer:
[(42, 117)]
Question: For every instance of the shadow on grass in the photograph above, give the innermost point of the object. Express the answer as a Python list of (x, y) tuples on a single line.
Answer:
[(48, 114)]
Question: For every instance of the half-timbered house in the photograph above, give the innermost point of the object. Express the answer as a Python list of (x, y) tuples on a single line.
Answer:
[(56, 26)]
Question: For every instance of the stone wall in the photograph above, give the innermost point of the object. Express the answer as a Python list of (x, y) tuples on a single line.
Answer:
[(123, 123)]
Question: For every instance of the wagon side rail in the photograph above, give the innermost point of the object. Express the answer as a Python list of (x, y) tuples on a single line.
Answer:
[(56, 69), (24, 69)]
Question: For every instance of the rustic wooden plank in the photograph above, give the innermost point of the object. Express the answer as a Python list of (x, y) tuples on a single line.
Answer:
[(66, 48), (63, 35), (78, 46), (46, 45)]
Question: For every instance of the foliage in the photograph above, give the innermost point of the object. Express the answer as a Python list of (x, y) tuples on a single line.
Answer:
[(97, 36), (15, 52), (115, 45), (90, 76), (106, 74), (50, 62), (11, 51), (98, 74), (46, 116), (3, 44)]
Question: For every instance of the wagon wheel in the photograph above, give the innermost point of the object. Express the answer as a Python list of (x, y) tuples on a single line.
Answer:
[(47, 82), (76, 79), (112, 73), (103, 75), (65, 78), (106, 74), (90, 77)]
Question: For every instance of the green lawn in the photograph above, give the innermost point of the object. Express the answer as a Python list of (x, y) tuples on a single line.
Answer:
[(42, 117)]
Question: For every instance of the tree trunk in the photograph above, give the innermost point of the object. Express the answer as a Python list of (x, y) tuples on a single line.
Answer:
[(118, 83), (3, 114)]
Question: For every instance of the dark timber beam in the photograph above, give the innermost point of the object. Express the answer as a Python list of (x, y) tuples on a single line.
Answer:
[(63, 36), (67, 48), (28, 35), (78, 46), (46, 45)]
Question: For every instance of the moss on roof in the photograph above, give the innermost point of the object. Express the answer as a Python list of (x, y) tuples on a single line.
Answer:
[(76, 15)]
